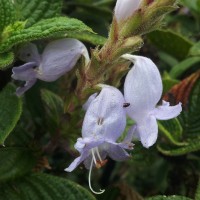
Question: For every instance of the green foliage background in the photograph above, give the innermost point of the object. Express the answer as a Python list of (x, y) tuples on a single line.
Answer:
[(37, 131)]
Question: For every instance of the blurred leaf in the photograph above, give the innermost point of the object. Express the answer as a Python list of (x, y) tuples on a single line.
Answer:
[(54, 105), (183, 66), (43, 186), (172, 130), (171, 43), (174, 197), (120, 191), (10, 111), (7, 13), (35, 10), (170, 60), (15, 162), (193, 5), (195, 50), (95, 10), (197, 194), (44, 29), (168, 82), (6, 59)]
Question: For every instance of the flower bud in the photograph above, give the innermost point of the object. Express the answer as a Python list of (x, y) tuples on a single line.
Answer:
[(126, 8)]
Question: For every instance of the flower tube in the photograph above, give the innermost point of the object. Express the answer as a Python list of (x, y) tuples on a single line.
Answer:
[(143, 89)]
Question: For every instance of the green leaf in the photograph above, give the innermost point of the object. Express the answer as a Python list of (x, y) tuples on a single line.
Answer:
[(89, 37), (190, 122), (6, 59), (15, 162), (172, 130), (197, 194), (192, 146), (171, 43), (183, 66), (10, 111), (168, 82), (7, 13), (190, 118), (54, 105), (43, 186), (195, 50), (59, 26), (36, 10), (174, 197)]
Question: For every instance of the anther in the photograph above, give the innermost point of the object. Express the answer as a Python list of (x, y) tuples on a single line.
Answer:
[(100, 121), (126, 105)]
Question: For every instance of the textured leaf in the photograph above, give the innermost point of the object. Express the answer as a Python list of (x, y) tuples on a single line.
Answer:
[(183, 66), (171, 43), (89, 37), (35, 10), (174, 197), (15, 162), (43, 29), (6, 59), (192, 146), (43, 186), (186, 92), (172, 130), (10, 111), (190, 118), (7, 13)]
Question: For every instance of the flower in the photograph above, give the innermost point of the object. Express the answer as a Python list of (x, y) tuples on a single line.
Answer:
[(104, 123), (143, 89), (126, 8), (58, 57)]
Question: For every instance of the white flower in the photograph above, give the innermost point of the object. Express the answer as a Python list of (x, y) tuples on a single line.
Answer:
[(104, 123), (126, 8), (58, 57), (143, 90)]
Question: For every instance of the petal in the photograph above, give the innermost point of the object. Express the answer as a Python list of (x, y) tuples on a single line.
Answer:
[(77, 161), (29, 53), (59, 57), (166, 111), (88, 102), (83, 145), (27, 86), (148, 131), (126, 8), (117, 153), (24, 72), (130, 134), (105, 117), (143, 86), (133, 131)]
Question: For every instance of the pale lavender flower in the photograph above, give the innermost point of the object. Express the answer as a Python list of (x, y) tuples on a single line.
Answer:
[(126, 8), (58, 57), (104, 123), (143, 89)]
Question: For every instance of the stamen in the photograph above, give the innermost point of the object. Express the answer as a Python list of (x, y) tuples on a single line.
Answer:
[(98, 154), (93, 157), (89, 180)]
